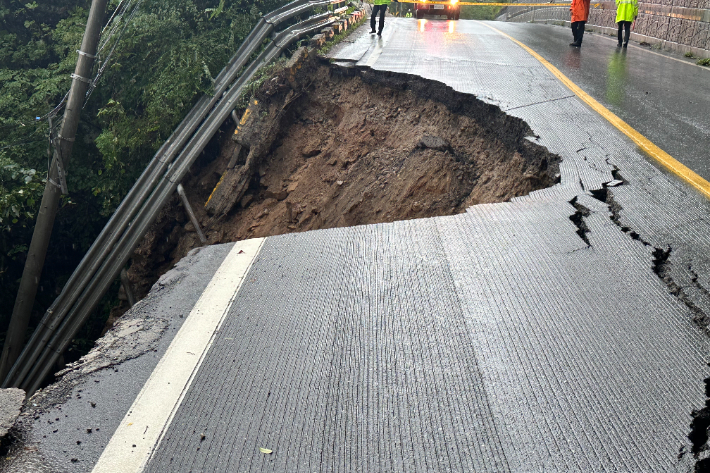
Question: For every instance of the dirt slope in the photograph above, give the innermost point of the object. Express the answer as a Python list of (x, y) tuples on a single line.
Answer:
[(351, 147)]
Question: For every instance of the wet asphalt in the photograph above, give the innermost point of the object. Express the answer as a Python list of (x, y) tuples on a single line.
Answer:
[(495, 340), (665, 97)]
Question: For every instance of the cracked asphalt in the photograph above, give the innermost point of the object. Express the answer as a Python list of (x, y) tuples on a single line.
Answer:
[(665, 97), (561, 331)]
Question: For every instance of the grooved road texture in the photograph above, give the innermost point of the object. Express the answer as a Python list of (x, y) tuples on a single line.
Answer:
[(496, 340), (534, 335), (347, 350), (586, 355)]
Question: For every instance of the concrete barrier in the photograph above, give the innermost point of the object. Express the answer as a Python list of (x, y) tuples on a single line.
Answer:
[(317, 41), (681, 26)]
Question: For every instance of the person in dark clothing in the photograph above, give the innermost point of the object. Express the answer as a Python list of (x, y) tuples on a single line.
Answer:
[(626, 13), (380, 7), (579, 10), (577, 32), (625, 27)]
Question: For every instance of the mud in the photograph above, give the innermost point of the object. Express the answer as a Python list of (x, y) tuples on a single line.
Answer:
[(340, 146)]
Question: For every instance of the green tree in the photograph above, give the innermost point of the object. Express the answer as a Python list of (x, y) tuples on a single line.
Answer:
[(165, 59), (483, 12)]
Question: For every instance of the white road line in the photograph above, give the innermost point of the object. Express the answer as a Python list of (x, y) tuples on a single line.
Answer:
[(376, 53), (143, 427), (379, 46)]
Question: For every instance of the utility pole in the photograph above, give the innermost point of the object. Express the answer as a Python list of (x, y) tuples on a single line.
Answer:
[(56, 183)]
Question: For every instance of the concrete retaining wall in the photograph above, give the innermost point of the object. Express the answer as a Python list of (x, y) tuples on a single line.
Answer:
[(676, 25)]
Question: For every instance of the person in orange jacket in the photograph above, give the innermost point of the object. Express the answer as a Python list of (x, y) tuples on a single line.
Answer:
[(579, 10)]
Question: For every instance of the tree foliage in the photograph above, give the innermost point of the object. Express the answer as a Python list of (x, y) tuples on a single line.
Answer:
[(483, 12), (166, 58)]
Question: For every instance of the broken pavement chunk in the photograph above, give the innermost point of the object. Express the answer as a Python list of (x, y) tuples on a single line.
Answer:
[(433, 142), (317, 40), (328, 32), (11, 401)]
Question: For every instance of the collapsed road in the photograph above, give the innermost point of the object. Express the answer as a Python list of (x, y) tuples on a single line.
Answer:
[(562, 328), (333, 146)]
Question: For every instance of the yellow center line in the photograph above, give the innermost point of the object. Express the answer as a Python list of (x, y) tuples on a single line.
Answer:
[(665, 159)]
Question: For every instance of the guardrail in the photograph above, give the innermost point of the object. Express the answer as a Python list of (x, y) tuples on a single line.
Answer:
[(113, 247)]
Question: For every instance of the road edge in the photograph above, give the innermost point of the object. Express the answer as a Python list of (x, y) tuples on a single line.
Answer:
[(143, 427)]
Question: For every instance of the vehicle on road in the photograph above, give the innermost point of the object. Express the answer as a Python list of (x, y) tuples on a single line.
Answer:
[(451, 10)]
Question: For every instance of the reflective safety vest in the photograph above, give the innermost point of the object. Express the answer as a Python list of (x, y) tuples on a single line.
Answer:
[(382, 2), (626, 10), (408, 15)]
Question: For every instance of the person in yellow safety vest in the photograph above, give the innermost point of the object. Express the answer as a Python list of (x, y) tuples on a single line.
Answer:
[(409, 13), (381, 7), (626, 13)]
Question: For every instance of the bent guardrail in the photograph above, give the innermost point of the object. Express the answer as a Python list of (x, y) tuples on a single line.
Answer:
[(113, 247)]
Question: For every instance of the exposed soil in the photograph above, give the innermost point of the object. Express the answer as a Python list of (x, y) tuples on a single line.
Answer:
[(339, 146)]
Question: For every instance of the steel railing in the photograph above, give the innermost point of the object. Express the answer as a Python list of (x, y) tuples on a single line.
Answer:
[(113, 247)]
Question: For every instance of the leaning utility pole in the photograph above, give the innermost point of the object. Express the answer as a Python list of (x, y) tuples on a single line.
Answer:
[(56, 185)]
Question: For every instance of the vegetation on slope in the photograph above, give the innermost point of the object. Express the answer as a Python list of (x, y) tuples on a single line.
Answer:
[(166, 58)]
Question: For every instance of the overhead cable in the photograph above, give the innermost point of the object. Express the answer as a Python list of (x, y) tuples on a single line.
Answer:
[(107, 60)]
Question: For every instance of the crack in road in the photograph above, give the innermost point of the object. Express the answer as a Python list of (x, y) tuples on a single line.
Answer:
[(699, 432), (662, 265), (539, 103), (578, 220)]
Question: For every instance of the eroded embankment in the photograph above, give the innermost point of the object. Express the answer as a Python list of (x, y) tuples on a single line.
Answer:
[(326, 146)]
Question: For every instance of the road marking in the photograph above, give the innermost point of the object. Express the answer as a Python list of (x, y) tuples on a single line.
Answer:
[(379, 47), (143, 427), (376, 53), (665, 159), (648, 51)]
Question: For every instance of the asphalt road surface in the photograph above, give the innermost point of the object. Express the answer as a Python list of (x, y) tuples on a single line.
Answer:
[(664, 97), (554, 332)]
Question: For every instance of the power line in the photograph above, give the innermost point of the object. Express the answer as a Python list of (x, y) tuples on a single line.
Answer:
[(16, 144), (118, 8), (106, 61), (113, 27)]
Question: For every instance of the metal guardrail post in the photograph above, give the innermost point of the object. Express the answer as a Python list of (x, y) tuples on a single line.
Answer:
[(127, 288), (190, 213)]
